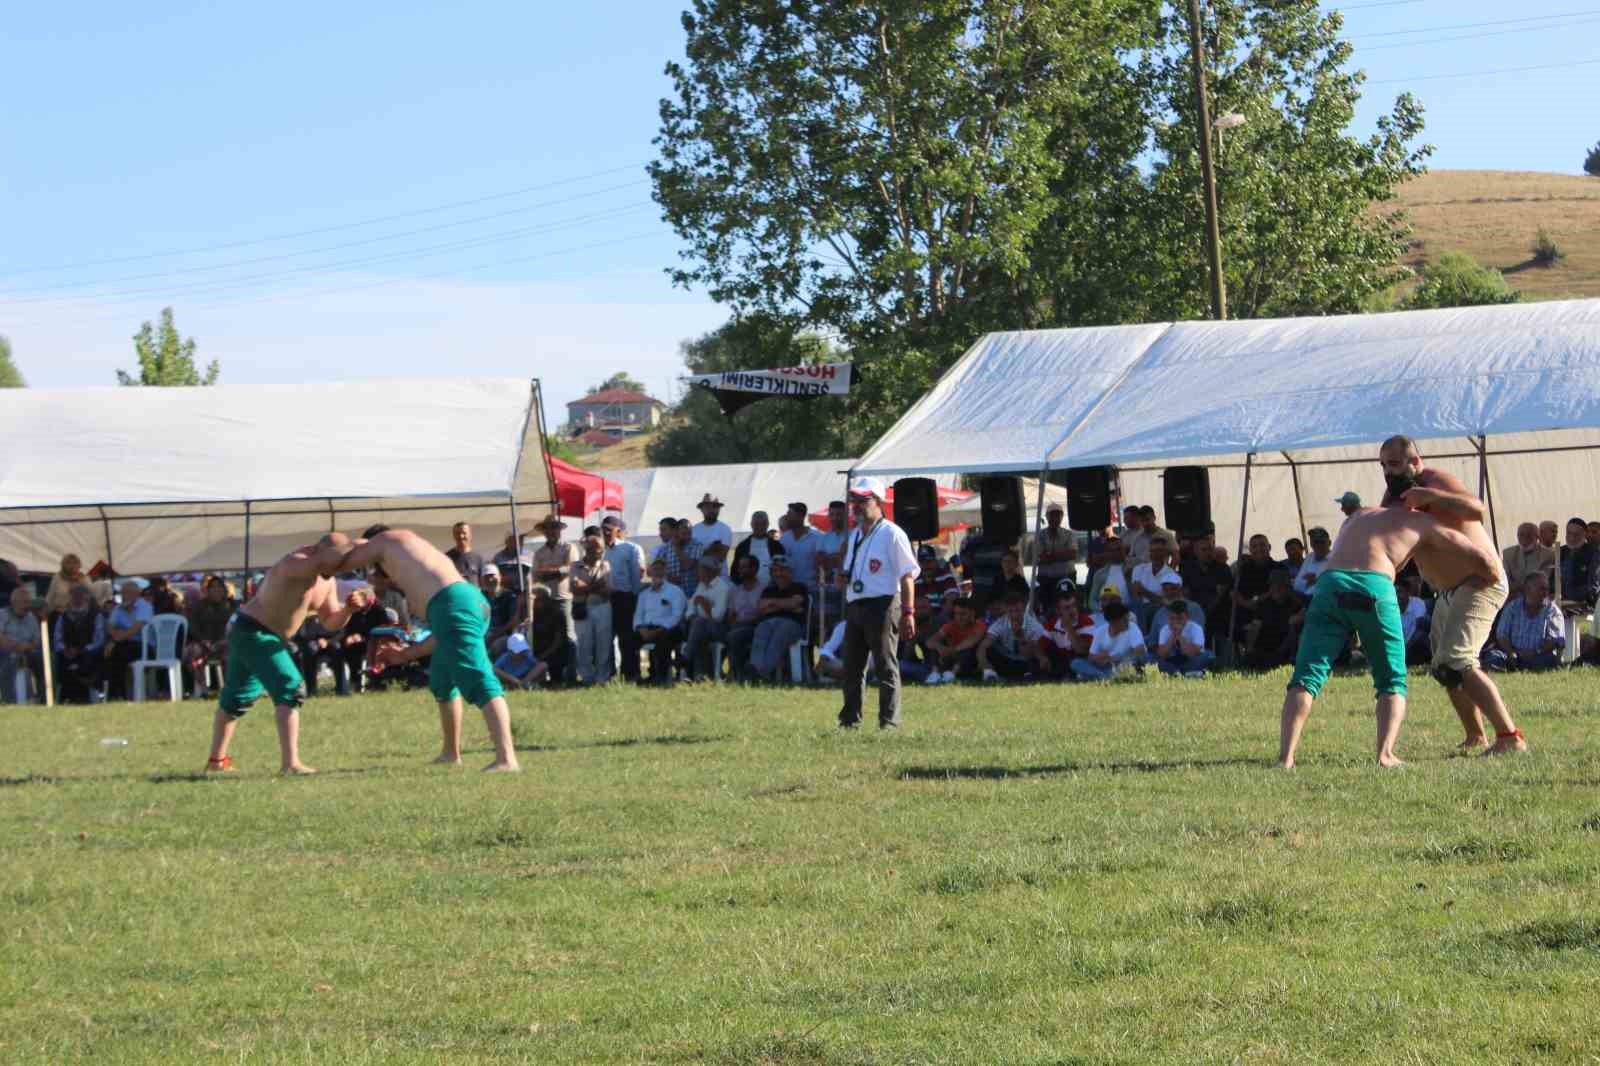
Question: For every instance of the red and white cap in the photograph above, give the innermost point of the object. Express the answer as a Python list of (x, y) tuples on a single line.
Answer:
[(869, 486)]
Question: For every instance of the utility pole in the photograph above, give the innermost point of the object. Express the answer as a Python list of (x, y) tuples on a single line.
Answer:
[(1197, 56)]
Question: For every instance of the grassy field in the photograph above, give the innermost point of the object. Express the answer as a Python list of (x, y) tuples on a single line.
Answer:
[(1086, 874), (1492, 215)]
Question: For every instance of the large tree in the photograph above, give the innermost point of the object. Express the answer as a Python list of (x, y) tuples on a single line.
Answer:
[(906, 175), (165, 358), (10, 376)]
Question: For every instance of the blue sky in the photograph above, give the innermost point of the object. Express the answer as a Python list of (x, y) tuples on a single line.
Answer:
[(132, 131)]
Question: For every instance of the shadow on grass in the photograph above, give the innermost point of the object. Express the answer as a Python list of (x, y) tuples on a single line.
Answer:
[(669, 739), (30, 779), (1553, 934), (192, 776), (1002, 773)]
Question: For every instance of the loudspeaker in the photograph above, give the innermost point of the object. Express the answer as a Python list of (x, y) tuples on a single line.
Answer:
[(916, 507), (1186, 494), (1004, 513), (1089, 492)]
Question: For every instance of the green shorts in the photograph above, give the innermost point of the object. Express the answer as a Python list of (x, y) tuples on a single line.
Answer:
[(1345, 602), (459, 617), (259, 661)]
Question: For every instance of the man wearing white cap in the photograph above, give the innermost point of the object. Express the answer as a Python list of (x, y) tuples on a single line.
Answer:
[(880, 604), (1053, 551)]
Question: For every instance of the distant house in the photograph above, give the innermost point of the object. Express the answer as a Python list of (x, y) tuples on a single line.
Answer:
[(618, 412)]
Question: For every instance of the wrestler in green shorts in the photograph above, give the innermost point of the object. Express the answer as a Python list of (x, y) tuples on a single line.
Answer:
[(459, 617), (259, 661), (1347, 601)]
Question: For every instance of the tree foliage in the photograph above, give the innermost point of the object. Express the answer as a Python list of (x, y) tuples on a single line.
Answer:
[(620, 380), (165, 358), (10, 376), (1458, 280), (771, 430), (1591, 162), (907, 175)]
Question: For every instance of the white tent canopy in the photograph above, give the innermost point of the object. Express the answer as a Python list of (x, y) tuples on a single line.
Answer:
[(1507, 398), (157, 480)]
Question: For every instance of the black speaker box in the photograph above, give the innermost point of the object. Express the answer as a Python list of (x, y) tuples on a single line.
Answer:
[(1089, 492), (1186, 494), (916, 507), (1004, 512)]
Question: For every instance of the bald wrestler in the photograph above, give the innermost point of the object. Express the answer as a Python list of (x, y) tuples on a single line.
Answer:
[(458, 615), (1356, 594), (260, 656), (1463, 614)]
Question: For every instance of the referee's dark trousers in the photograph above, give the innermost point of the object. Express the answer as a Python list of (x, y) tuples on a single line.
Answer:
[(872, 627)]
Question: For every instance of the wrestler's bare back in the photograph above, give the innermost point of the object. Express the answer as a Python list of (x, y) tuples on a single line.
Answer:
[(1444, 569), (1382, 539), (292, 590), (419, 568)]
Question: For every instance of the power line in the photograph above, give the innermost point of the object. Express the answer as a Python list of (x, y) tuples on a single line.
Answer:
[(324, 229), (1486, 73), (317, 251), (1477, 25), (1477, 36), (1376, 3)]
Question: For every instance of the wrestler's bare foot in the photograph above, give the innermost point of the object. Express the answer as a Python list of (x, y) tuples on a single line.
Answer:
[(1472, 745), (1283, 764), (1509, 744), (1390, 762), (498, 767), (297, 769), (447, 760)]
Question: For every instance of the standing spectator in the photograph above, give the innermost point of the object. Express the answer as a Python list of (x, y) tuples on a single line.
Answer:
[(552, 567), (469, 564), (127, 621), (783, 622), (20, 649), (830, 557), (1009, 582), (79, 640), (1305, 579), (1052, 552), (1580, 572), (953, 650), (1530, 634), (1294, 553), (1527, 556), (627, 578), (9, 579), (707, 621), (1150, 530), (69, 577), (800, 546), (512, 564), (208, 630), (710, 529), (517, 667), (880, 604), (658, 618), (744, 614), (1349, 504), (591, 590), (681, 555), (1117, 646), (1413, 622), (1011, 647), (762, 544), (1181, 643)]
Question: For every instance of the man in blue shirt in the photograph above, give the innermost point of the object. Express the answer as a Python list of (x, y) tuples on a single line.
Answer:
[(627, 577), (517, 667), (658, 621), (127, 621)]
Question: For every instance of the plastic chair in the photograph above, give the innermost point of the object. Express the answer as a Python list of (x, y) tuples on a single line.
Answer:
[(161, 644), (799, 662), (716, 661)]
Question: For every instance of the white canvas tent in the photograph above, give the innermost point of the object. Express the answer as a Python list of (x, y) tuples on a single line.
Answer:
[(1286, 413), (156, 480)]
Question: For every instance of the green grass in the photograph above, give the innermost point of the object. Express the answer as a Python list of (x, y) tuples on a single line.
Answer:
[(1088, 874)]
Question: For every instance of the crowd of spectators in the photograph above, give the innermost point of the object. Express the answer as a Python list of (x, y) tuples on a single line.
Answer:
[(583, 611)]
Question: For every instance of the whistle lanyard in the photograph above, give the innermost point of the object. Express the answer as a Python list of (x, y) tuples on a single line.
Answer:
[(855, 559)]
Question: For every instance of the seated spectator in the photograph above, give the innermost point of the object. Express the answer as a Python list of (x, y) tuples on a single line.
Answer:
[(318, 645), (549, 625), (69, 577), (1530, 634), (124, 626), (1549, 534), (953, 650), (591, 611), (1111, 575), (512, 564), (164, 599), (1527, 555), (80, 638), (707, 618), (208, 631), (507, 610), (744, 613), (762, 544), (658, 620), (1294, 553), (1305, 578), (517, 667), (20, 646), (933, 583), (1012, 647), (355, 642), (1579, 567), (1209, 583), (1413, 621), (1118, 646), (9, 579), (1008, 583), (1250, 580), (1181, 643), (1064, 639), (783, 622), (390, 596), (1171, 596), (1274, 635), (1144, 585)]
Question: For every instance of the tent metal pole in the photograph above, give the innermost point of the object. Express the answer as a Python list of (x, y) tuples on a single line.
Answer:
[(1038, 524), (247, 544), (1485, 489), (1299, 508), (105, 525), (1244, 510)]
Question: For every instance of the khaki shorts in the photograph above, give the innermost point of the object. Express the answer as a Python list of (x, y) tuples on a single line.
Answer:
[(1463, 619)]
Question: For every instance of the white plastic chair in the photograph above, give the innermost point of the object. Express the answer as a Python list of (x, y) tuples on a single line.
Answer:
[(161, 644), (799, 662), (716, 661)]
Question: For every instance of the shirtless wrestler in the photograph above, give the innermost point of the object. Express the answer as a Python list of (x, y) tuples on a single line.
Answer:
[(458, 615)]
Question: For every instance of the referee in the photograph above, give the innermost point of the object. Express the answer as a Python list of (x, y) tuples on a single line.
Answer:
[(879, 607)]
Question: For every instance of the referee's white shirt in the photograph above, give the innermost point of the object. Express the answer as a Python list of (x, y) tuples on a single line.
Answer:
[(878, 561)]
